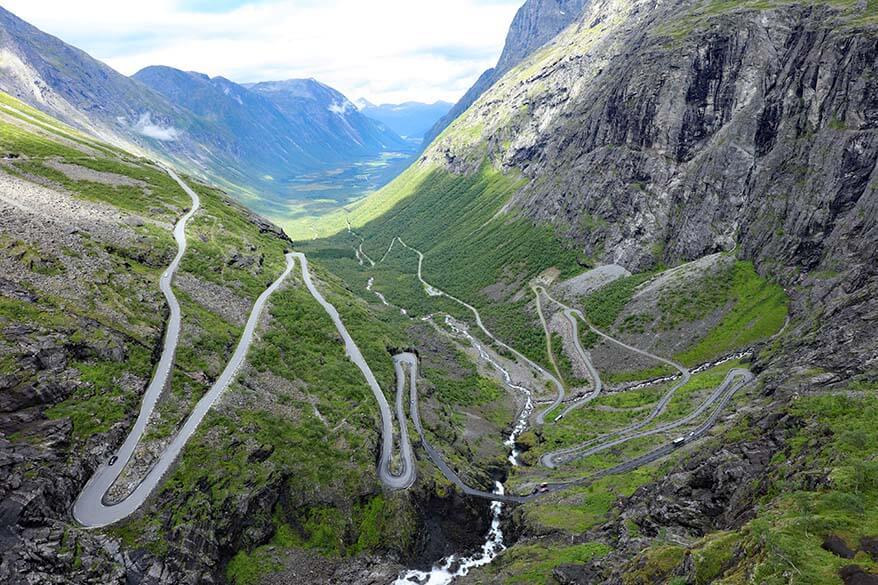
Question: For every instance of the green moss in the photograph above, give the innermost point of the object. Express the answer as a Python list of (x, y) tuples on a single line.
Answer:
[(659, 371), (31, 257), (697, 298), (565, 365), (797, 512), (29, 115), (759, 311), (715, 554), (213, 341), (221, 232), (472, 390), (249, 568), (101, 402), (654, 565), (533, 564), (164, 195), (329, 531), (586, 507), (603, 307)]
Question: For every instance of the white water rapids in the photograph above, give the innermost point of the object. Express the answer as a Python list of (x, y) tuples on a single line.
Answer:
[(381, 297), (451, 567), (446, 570)]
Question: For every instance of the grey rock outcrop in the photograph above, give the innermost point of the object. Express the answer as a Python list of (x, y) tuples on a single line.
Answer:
[(535, 24), (651, 135)]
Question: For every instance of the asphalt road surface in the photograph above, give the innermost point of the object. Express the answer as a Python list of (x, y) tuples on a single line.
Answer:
[(90, 508)]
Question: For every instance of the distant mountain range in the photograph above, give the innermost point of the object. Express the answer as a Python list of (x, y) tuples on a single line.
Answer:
[(256, 137), (411, 120)]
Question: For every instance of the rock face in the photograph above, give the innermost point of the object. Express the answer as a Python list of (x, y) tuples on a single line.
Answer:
[(714, 490), (651, 133), (535, 24), (660, 132)]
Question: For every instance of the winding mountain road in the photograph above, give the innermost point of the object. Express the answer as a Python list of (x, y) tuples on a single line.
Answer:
[(550, 352), (405, 478), (90, 508), (569, 453), (92, 511), (734, 381), (409, 361), (597, 383), (436, 292)]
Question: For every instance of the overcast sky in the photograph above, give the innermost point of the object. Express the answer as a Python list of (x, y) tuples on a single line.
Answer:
[(386, 51)]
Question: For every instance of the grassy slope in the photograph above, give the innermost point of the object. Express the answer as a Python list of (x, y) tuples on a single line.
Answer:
[(299, 351), (753, 309), (783, 543), (468, 242)]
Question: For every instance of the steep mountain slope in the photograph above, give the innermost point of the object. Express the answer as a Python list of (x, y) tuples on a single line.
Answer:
[(67, 83), (411, 119), (535, 24), (644, 138), (307, 102), (648, 135), (310, 129), (257, 132), (215, 128)]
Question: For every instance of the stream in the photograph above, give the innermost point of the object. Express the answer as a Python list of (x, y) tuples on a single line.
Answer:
[(451, 567)]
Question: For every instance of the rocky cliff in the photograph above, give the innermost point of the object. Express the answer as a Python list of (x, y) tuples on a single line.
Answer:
[(653, 133), (645, 135), (535, 24)]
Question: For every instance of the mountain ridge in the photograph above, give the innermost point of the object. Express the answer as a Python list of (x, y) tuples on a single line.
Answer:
[(248, 153), (536, 23)]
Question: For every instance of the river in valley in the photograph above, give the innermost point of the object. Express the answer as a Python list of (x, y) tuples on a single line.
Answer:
[(453, 566)]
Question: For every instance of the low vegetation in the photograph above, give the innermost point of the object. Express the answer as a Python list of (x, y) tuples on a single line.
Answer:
[(759, 310), (819, 487)]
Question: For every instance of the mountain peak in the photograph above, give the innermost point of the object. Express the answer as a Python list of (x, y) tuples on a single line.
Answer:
[(536, 23)]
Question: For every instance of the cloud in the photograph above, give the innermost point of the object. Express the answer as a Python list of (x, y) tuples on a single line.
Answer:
[(341, 109), (381, 50), (146, 127)]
